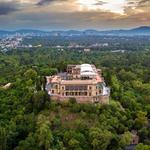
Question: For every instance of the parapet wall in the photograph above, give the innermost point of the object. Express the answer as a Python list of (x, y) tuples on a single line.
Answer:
[(83, 99)]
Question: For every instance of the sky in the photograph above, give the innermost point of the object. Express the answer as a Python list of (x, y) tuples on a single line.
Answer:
[(73, 14)]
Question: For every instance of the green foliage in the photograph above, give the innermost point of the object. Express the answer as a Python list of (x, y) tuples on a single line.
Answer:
[(73, 144), (3, 138), (126, 139), (44, 136), (74, 140), (28, 143), (99, 138), (39, 100), (30, 120), (115, 86), (72, 100), (142, 147), (141, 119), (30, 74), (48, 71)]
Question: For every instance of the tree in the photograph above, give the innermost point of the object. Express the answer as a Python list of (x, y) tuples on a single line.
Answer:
[(74, 140), (38, 84), (48, 71), (142, 147), (143, 134), (3, 138), (28, 143), (30, 74), (39, 100), (141, 119), (126, 139), (72, 100), (99, 138), (73, 143), (43, 133), (115, 86), (44, 136)]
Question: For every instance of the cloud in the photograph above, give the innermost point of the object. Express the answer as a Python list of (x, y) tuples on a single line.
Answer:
[(137, 7), (143, 1), (138, 3), (69, 14), (8, 7), (101, 3), (44, 2)]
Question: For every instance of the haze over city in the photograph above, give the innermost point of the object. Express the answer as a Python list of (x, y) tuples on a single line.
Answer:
[(73, 14)]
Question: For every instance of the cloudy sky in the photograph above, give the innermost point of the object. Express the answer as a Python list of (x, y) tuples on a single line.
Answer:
[(73, 14)]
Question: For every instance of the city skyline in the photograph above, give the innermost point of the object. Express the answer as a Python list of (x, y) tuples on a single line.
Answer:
[(74, 14)]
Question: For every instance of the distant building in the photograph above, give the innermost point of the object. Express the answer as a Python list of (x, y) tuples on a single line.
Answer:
[(134, 142), (135, 137), (87, 50), (83, 82), (118, 51), (6, 86)]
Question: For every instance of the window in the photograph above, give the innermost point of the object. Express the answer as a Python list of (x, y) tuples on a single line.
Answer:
[(90, 88), (90, 94), (85, 93), (56, 86), (76, 88)]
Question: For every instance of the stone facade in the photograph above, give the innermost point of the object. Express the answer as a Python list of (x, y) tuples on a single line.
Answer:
[(83, 82)]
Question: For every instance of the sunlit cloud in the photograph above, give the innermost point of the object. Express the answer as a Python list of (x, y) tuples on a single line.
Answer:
[(80, 14)]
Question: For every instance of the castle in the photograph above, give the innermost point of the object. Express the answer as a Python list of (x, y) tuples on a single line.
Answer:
[(82, 82)]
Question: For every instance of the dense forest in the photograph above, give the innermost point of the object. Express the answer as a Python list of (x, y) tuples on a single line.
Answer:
[(30, 120), (114, 42)]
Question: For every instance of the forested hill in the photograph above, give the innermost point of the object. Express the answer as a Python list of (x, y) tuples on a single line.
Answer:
[(143, 30), (30, 120)]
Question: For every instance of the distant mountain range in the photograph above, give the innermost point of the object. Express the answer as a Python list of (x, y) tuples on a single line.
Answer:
[(143, 30)]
